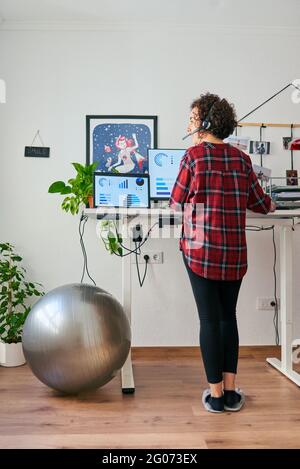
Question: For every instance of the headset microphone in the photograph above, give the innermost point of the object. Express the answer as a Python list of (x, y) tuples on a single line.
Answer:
[(192, 133)]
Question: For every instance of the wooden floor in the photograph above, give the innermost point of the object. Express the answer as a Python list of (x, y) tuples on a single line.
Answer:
[(165, 411)]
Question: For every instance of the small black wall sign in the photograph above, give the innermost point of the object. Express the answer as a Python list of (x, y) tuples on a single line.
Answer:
[(38, 152)]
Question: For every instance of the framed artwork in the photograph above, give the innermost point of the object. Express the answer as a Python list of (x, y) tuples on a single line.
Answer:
[(286, 141), (259, 148), (291, 177), (120, 144), (291, 144)]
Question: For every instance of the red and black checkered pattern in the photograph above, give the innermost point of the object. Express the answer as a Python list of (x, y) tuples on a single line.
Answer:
[(221, 178)]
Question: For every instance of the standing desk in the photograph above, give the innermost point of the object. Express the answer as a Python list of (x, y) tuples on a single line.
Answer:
[(287, 220)]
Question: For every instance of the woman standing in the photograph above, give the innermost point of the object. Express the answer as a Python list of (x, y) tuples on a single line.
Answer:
[(220, 179)]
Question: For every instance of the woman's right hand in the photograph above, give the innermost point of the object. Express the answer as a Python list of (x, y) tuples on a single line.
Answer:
[(273, 206)]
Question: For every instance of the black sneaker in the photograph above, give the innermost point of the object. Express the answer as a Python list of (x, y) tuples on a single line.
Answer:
[(234, 400), (212, 404)]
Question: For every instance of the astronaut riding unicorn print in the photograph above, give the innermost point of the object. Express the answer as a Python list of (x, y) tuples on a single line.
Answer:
[(120, 144)]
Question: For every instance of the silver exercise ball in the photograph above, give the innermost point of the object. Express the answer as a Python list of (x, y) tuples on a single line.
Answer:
[(76, 338)]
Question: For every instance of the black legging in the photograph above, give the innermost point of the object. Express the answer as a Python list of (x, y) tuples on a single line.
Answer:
[(219, 339)]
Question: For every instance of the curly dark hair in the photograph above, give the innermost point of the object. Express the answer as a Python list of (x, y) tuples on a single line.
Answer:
[(222, 116)]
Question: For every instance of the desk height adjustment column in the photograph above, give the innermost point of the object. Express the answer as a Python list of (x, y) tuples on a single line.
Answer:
[(285, 365), (126, 371)]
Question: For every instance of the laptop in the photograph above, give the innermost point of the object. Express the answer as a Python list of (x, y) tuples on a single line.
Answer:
[(286, 197), (120, 190)]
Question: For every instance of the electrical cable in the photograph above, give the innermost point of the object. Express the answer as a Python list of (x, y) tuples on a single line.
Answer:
[(133, 251), (146, 257), (148, 233), (260, 141), (81, 233), (258, 228), (276, 312), (82, 223), (292, 152), (276, 315), (267, 100), (136, 251), (130, 251)]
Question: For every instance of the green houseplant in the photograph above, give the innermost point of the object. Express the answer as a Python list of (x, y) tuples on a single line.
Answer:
[(15, 295), (81, 188), (78, 190), (112, 240)]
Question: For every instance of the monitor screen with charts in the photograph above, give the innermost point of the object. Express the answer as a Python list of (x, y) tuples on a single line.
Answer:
[(118, 190), (163, 171)]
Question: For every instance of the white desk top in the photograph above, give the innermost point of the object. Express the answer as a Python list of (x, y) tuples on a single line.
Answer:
[(93, 212)]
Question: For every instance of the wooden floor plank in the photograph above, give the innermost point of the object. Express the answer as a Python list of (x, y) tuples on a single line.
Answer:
[(165, 411), (106, 440)]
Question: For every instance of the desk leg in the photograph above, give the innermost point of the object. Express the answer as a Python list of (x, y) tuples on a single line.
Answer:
[(285, 365), (126, 371)]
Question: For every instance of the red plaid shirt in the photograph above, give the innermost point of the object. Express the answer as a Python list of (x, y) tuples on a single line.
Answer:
[(221, 179)]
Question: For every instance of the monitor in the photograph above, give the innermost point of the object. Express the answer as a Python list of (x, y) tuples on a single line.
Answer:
[(119, 190), (163, 171)]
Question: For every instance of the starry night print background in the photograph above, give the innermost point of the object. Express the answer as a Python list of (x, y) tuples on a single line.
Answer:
[(104, 144)]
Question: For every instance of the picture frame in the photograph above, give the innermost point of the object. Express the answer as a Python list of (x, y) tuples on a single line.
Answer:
[(286, 142), (257, 147), (291, 177), (120, 143)]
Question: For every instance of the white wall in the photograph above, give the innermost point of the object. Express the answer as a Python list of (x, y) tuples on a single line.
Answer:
[(54, 78)]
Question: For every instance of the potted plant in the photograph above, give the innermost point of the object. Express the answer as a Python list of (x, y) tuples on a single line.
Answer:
[(15, 306), (111, 238), (81, 188)]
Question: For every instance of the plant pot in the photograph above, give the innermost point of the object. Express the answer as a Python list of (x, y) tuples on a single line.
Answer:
[(91, 201), (11, 354)]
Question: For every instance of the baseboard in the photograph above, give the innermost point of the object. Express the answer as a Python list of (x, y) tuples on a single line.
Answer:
[(182, 352)]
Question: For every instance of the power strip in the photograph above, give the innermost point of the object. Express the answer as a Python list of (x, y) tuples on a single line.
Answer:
[(137, 233)]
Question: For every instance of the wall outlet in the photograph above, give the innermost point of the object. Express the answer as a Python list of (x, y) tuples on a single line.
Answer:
[(155, 257), (265, 303)]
